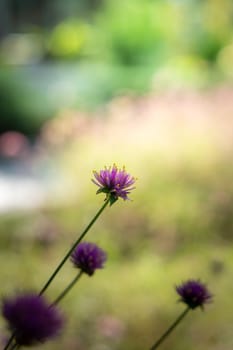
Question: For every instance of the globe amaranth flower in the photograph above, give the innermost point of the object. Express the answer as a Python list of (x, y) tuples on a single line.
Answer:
[(88, 257), (116, 183), (31, 319), (194, 293)]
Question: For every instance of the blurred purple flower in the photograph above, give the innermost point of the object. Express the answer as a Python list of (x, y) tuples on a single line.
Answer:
[(31, 319), (194, 293), (115, 182), (88, 257)]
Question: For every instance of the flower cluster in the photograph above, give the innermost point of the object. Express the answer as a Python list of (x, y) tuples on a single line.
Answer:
[(88, 257), (31, 318), (194, 294), (116, 183)]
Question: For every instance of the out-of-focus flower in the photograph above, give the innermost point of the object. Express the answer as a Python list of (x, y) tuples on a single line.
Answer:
[(88, 257), (194, 293), (111, 327), (31, 319), (13, 144), (114, 182)]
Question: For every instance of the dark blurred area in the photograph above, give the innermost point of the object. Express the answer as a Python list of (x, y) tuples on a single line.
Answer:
[(24, 15), (24, 26)]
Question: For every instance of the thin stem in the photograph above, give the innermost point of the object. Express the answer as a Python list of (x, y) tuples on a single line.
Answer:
[(68, 288), (9, 341), (170, 329), (15, 346), (73, 247)]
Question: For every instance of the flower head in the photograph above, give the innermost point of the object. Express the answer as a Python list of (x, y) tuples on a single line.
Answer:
[(88, 257), (194, 293), (31, 318), (116, 183)]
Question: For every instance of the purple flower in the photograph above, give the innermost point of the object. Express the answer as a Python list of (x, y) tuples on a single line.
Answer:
[(194, 293), (88, 257), (115, 182), (31, 318)]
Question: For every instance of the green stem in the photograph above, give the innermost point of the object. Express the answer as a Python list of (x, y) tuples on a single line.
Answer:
[(73, 247), (68, 288), (15, 346), (10, 341), (170, 329), (66, 257)]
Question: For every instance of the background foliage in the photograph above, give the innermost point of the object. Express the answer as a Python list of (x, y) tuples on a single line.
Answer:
[(74, 48)]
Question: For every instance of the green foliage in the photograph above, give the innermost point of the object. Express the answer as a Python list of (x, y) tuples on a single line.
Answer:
[(127, 32), (142, 32), (118, 45), (68, 39), (131, 31)]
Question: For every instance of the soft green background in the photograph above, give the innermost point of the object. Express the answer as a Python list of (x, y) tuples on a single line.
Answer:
[(178, 226)]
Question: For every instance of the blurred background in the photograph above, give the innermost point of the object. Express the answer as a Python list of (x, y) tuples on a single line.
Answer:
[(141, 83)]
